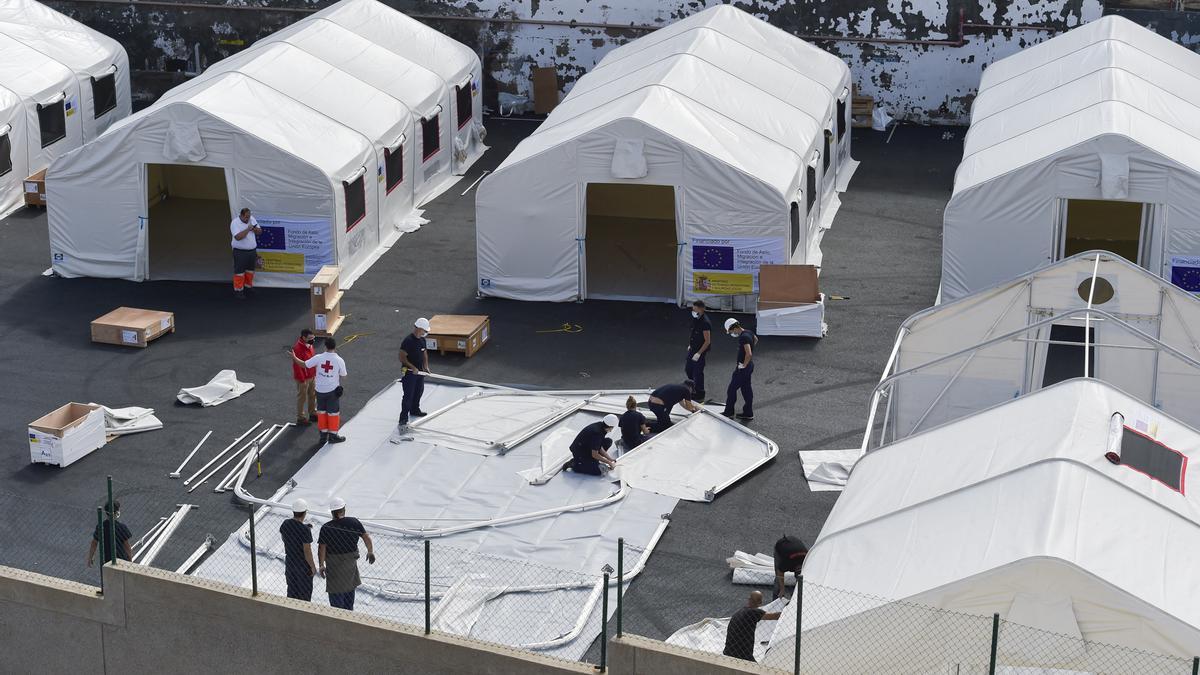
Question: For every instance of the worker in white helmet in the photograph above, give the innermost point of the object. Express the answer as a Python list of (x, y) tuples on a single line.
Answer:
[(337, 549), (414, 364), (740, 381), (590, 448), (298, 566)]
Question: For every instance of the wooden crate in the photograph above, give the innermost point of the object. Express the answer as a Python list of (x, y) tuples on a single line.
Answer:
[(35, 189), (132, 327), (861, 109), (464, 333)]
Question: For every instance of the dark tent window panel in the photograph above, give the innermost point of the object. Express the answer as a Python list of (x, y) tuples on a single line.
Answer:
[(52, 120), (5, 155), (393, 163), (810, 189), (356, 201), (795, 227), (828, 146), (104, 94), (1146, 455), (841, 118), (463, 103), (431, 137)]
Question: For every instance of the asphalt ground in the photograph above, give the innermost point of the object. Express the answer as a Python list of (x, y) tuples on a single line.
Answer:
[(882, 256)]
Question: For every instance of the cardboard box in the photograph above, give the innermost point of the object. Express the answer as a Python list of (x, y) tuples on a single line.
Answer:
[(132, 327), (465, 333), (324, 289), (787, 285), (35, 189), (66, 435), (545, 90)]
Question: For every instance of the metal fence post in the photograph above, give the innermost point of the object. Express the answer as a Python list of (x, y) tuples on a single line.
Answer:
[(798, 598), (427, 599), (253, 554), (112, 527), (100, 542), (604, 625), (620, 576), (1196, 666), (995, 639)]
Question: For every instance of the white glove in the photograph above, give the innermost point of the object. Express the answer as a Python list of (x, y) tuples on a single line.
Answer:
[(741, 365), (696, 357)]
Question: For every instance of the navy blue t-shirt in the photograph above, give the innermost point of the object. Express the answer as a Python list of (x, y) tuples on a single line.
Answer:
[(699, 325), (670, 394), (588, 439), (746, 338), (631, 424), (341, 535), (123, 535), (415, 348), (296, 536)]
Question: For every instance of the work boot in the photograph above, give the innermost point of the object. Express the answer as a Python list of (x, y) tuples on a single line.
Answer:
[(419, 413), (403, 422), (334, 438), (746, 416), (312, 417), (727, 413), (324, 437), (698, 397), (239, 295), (302, 422)]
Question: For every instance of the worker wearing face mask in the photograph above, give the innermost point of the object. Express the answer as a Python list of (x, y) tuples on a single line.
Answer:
[(306, 379), (740, 381), (414, 359), (698, 344)]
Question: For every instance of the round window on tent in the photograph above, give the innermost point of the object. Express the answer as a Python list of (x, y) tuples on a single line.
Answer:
[(1102, 294)]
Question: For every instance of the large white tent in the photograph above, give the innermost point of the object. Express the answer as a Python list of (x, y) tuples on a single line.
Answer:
[(1093, 311), (683, 161), (335, 172), (1088, 140), (61, 85), (1016, 511)]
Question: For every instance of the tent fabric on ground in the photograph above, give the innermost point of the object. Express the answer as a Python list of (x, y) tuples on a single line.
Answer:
[(681, 162), (334, 174), (1088, 140), (1029, 333), (1016, 508), (61, 85)]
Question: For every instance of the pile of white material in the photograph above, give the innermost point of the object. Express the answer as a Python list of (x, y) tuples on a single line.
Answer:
[(709, 635), (223, 387), (755, 569), (131, 420), (828, 470)]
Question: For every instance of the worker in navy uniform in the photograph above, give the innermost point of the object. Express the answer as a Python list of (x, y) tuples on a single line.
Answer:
[(789, 557), (589, 449), (414, 360), (298, 566), (663, 400), (740, 381), (634, 430), (698, 345)]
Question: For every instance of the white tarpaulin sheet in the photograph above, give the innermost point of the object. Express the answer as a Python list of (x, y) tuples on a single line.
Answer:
[(223, 387), (130, 420), (709, 635), (828, 470), (757, 569), (433, 483)]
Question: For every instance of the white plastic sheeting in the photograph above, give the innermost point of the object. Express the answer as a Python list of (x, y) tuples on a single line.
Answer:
[(129, 420), (726, 108), (1019, 500), (828, 470), (756, 569), (515, 563), (709, 635), (224, 386), (1107, 110)]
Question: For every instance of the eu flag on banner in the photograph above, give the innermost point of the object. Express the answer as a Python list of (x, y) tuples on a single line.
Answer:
[(273, 238), (712, 257), (1186, 277)]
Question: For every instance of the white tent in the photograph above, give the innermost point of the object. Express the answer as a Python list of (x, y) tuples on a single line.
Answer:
[(337, 179), (1016, 511), (1094, 310), (679, 164), (1088, 140)]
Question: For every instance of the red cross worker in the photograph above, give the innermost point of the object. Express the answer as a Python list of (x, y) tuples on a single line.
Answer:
[(330, 369)]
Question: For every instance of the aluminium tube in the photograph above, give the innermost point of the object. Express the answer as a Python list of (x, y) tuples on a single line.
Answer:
[(149, 533), (230, 478), (166, 534), (220, 486), (195, 556), (221, 453), (228, 459), (176, 472), (150, 543)]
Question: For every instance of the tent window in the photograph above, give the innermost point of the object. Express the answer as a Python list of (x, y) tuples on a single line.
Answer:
[(828, 145), (104, 94), (1146, 455), (393, 161), (841, 118), (356, 201), (431, 136), (795, 227), (1064, 355), (52, 119), (5, 155), (462, 101), (810, 189)]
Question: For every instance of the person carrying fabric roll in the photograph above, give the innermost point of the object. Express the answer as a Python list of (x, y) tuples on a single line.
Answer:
[(589, 449)]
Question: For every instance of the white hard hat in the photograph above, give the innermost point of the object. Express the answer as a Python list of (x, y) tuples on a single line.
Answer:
[(729, 324), (299, 506), (422, 323), (337, 504), (611, 420)]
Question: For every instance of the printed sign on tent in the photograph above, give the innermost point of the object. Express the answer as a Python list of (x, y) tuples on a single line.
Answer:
[(1185, 272), (730, 266), (293, 246)]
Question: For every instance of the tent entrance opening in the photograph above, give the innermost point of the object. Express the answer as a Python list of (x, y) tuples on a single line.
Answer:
[(1064, 354), (1105, 225), (632, 247), (189, 223)]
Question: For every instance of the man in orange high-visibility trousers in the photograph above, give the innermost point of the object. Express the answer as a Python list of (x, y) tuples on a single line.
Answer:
[(330, 370), (245, 252)]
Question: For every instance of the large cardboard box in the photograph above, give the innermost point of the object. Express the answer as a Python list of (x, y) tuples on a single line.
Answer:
[(324, 289), (545, 90), (790, 302), (67, 434), (465, 333), (132, 327), (35, 189)]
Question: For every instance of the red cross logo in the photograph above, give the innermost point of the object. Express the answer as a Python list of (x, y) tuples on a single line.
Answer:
[(327, 366)]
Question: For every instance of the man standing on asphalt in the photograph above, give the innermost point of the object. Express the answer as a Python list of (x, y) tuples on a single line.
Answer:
[(306, 383), (739, 637), (330, 369), (245, 252), (698, 344), (663, 400), (414, 363), (101, 537), (337, 549), (298, 566), (740, 381)]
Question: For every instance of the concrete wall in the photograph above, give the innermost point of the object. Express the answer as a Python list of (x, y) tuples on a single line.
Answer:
[(632, 655), (154, 621), (920, 59)]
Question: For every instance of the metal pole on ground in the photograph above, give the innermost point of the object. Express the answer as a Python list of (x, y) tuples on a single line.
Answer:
[(427, 587), (798, 598), (995, 639), (112, 526), (253, 554), (1196, 666), (100, 541), (620, 576), (604, 625)]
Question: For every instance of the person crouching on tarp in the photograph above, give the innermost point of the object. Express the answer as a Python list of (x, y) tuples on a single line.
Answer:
[(634, 428), (589, 449)]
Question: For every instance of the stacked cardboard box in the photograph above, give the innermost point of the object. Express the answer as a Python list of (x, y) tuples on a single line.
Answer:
[(789, 302), (67, 434), (132, 327), (465, 333), (327, 301)]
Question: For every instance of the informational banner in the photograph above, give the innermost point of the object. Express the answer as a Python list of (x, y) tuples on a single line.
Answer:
[(292, 246), (730, 266), (1185, 272)]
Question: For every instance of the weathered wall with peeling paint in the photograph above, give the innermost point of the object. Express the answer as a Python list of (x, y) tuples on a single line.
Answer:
[(919, 59)]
